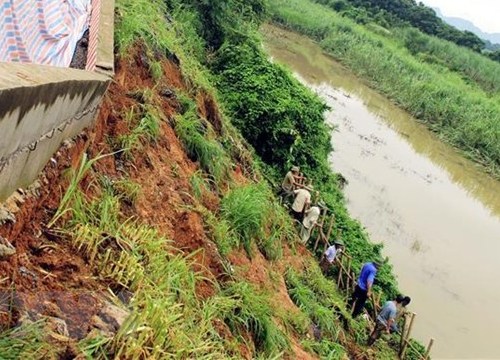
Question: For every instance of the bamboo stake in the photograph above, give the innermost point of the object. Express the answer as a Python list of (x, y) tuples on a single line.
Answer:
[(375, 312), (403, 330), (407, 338), (340, 274), (348, 280), (330, 227), (429, 347), (317, 240)]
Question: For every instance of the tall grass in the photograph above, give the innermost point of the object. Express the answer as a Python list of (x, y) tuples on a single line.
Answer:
[(246, 209), (463, 115), (253, 313), (201, 145), (316, 296), (221, 233), (166, 318), (146, 21), (143, 127), (474, 68), (26, 341)]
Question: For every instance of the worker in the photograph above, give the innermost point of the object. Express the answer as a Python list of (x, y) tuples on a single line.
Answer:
[(386, 319), (309, 222), (331, 254), (301, 202), (363, 287), (290, 182), (406, 301)]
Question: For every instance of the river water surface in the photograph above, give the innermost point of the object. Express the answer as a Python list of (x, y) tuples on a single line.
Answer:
[(437, 214)]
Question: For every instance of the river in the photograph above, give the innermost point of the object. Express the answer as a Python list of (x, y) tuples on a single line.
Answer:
[(437, 213)]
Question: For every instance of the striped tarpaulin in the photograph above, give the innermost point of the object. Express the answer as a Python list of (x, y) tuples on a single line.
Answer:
[(43, 32), (93, 35)]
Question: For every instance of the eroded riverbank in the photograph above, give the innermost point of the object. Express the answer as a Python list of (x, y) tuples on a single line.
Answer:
[(436, 212)]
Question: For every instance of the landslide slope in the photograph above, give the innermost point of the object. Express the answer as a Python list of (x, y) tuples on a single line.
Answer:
[(152, 235)]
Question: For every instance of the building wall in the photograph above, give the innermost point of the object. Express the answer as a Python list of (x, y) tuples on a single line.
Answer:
[(41, 106)]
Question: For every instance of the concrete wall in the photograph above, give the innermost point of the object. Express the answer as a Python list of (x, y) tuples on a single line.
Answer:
[(41, 106)]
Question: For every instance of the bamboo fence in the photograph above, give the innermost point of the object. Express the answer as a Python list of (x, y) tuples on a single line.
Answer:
[(346, 281)]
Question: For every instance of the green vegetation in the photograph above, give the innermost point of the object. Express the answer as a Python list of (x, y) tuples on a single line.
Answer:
[(166, 318), (397, 13), (316, 302), (254, 216), (283, 120), (472, 67), (221, 233), (201, 144), (25, 342), (144, 126), (460, 113), (428, 46), (253, 313)]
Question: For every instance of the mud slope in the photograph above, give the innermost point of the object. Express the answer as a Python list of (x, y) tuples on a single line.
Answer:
[(48, 276)]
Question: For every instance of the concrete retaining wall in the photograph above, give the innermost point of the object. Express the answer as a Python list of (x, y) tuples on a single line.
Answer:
[(41, 106)]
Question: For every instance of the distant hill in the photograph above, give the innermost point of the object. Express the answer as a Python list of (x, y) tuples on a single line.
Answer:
[(463, 24)]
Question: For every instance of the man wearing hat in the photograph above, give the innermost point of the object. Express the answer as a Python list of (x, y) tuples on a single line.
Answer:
[(364, 286), (290, 182), (331, 254)]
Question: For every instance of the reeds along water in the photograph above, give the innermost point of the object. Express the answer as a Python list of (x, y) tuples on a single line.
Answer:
[(466, 112)]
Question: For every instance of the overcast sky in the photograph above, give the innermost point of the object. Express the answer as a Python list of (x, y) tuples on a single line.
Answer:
[(483, 13)]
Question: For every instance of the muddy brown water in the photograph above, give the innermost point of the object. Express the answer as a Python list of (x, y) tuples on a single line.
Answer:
[(436, 212)]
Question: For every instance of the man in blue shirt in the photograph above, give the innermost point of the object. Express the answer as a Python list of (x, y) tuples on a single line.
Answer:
[(364, 287), (386, 319)]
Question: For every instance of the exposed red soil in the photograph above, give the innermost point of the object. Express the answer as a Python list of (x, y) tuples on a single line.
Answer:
[(51, 278), (46, 264), (267, 276)]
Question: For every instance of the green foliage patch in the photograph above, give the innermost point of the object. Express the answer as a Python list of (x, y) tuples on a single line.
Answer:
[(26, 341), (254, 314), (246, 209)]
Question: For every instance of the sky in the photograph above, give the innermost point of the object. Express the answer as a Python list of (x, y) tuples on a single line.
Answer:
[(483, 13)]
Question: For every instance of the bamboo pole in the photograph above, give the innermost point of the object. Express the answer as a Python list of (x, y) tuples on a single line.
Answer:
[(375, 312), (317, 240), (403, 331), (340, 273), (429, 347), (348, 280), (330, 227), (407, 337)]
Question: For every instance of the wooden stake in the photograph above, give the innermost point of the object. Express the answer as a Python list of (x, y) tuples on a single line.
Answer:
[(340, 274), (375, 312), (407, 338), (317, 240), (348, 280), (330, 227), (403, 333), (429, 347)]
